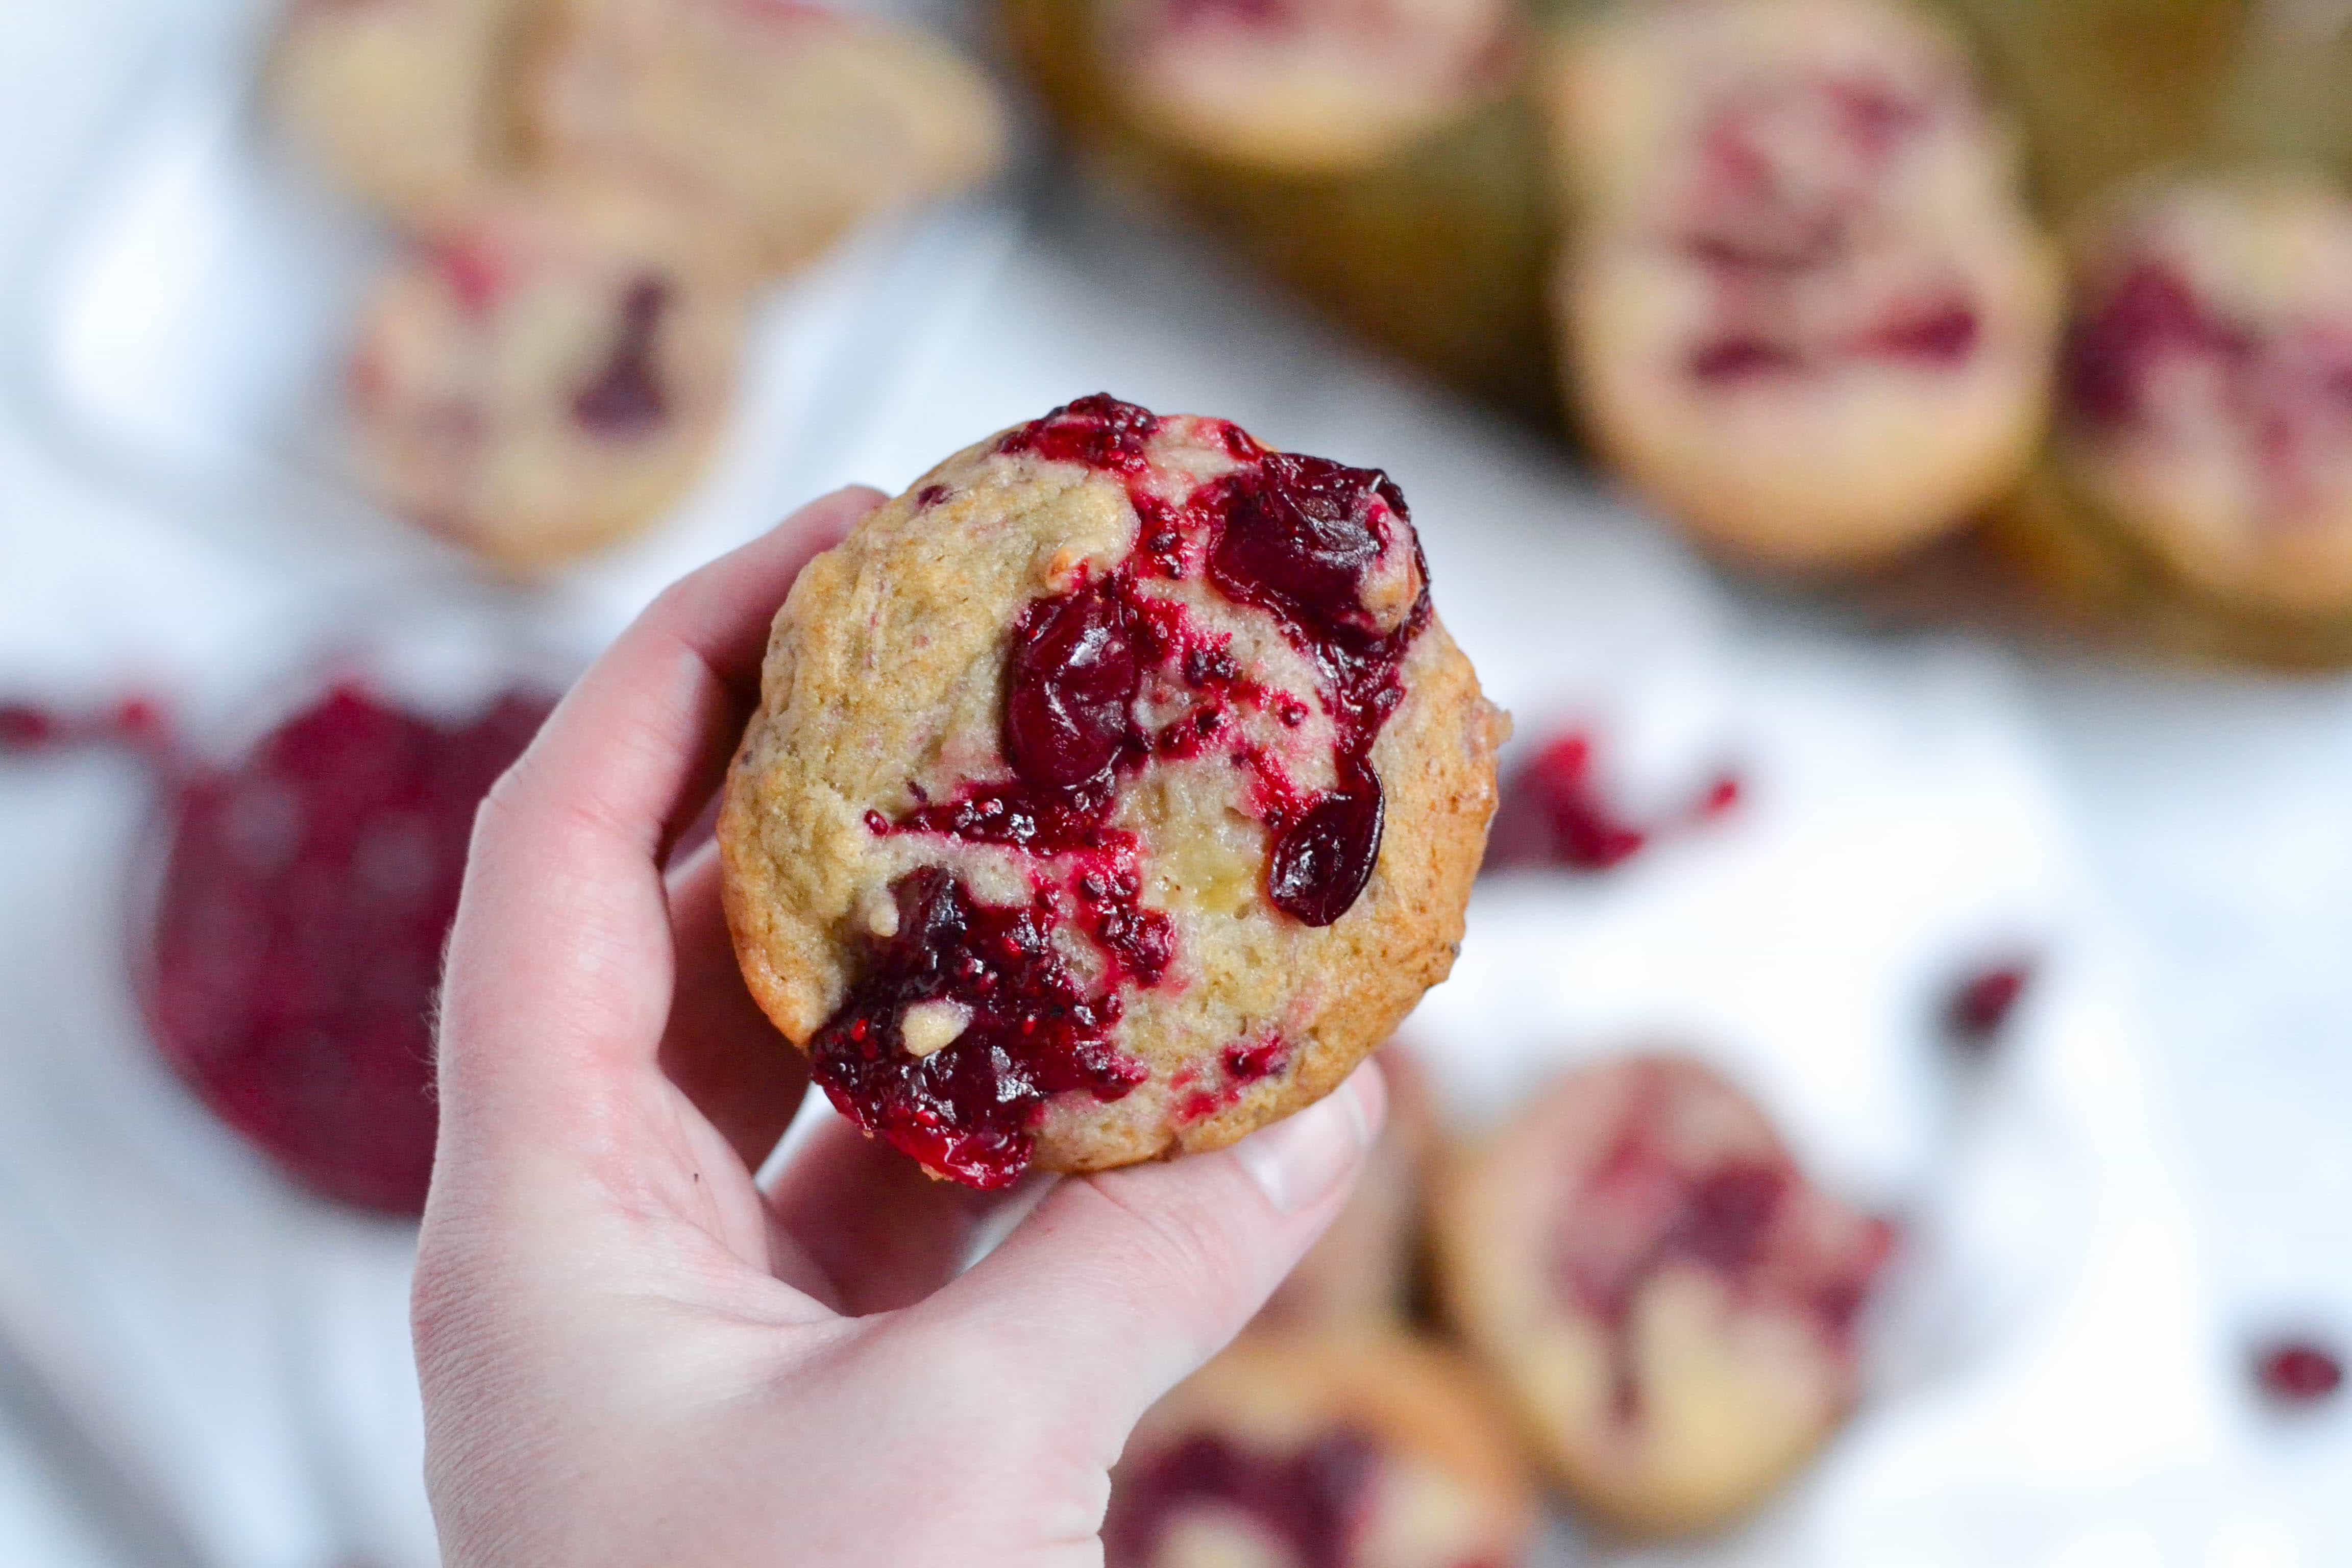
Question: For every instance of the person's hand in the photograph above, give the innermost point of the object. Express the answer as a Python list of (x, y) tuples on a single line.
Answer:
[(631, 1354)]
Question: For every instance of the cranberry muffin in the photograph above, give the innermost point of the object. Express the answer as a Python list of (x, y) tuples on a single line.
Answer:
[(1361, 1273), (397, 99), (790, 119), (1804, 308), (1113, 791), (545, 373), (1321, 1451), (1669, 1301), (2200, 468), (1318, 86)]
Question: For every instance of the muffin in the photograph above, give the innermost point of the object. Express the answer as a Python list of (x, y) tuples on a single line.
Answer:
[(1671, 1305), (2200, 474), (791, 121), (1113, 792), (1362, 1274), (1426, 229), (1324, 1451), (1804, 309), (1312, 86), (397, 100), (544, 374)]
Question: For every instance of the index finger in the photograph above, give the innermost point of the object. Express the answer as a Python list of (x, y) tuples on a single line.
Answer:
[(560, 965)]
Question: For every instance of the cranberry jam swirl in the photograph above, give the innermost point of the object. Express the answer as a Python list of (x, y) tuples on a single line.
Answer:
[(1246, 639)]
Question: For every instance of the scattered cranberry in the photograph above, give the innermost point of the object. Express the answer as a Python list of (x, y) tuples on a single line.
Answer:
[(2297, 1371), (1312, 1500), (296, 948), (1979, 1008), (1554, 813), (137, 723), (25, 728), (627, 398)]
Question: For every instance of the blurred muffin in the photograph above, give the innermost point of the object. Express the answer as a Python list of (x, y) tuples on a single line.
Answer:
[(1323, 1451), (545, 373), (1667, 1300), (1361, 1273), (1432, 245), (794, 121), (1304, 86), (1805, 311), (2199, 476), (398, 100)]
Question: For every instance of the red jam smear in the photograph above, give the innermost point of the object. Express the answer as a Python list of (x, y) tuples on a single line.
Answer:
[(1292, 535), (308, 891), (1644, 1208), (968, 1111), (2298, 1371), (626, 399), (1554, 813), (1313, 1502)]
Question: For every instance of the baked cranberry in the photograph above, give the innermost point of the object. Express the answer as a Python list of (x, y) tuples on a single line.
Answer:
[(1980, 1007), (2297, 1371), (1312, 1502), (1944, 335), (295, 947), (1322, 862), (1097, 430), (475, 272), (2150, 314), (1247, 1061), (1070, 688), (627, 398), (930, 496), (1743, 359), (1647, 1205), (1025, 1029), (1299, 536)]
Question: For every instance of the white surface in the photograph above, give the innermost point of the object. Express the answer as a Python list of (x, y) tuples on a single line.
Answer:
[(2153, 1171)]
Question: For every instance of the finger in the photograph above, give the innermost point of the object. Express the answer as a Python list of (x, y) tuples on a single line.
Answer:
[(884, 1234), (719, 1048), (560, 965), (1122, 1284)]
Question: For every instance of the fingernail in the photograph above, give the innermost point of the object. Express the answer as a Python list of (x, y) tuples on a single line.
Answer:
[(1299, 1162)]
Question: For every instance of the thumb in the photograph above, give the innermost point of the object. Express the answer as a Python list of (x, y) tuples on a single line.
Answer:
[(1121, 1284)]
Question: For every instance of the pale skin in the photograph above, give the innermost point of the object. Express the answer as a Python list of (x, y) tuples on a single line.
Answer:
[(633, 1353)]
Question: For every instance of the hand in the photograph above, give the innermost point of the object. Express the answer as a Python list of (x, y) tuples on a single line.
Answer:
[(631, 1354)]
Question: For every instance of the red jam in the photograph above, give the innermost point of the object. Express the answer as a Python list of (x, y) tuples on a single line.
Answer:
[(1293, 536), (1311, 1502), (2298, 1371), (1645, 1207), (1554, 813), (626, 399), (307, 894), (966, 1110)]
